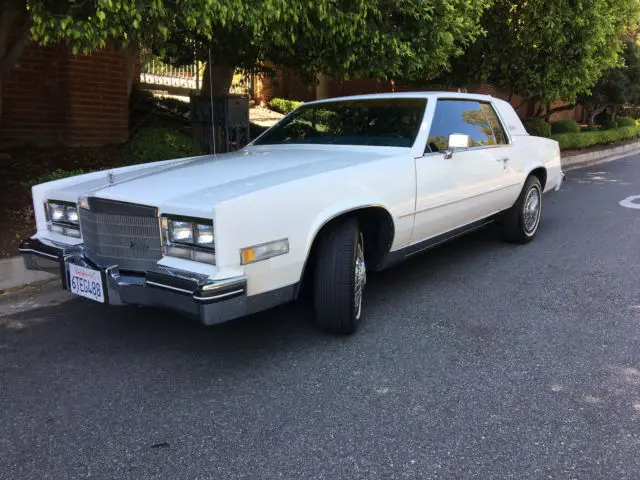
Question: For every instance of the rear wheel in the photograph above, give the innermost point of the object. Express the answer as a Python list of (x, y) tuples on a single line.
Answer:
[(520, 223), (340, 278)]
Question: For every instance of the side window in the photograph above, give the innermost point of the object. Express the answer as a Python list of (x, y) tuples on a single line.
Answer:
[(459, 116), (496, 126)]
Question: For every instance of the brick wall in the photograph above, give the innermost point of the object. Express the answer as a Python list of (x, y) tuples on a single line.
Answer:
[(53, 97)]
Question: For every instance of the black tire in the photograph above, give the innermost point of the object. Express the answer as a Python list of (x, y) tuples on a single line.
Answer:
[(334, 298), (514, 225)]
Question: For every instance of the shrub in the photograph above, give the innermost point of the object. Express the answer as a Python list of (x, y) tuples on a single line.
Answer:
[(609, 125), (153, 144), (589, 128), (537, 126), (54, 175), (174, 105), (140, 96), (627, 133), (565, 126), (283, 106), (589, 139), (625, 122)]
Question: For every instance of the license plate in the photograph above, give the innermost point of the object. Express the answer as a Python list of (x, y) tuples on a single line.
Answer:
[(86, 282)]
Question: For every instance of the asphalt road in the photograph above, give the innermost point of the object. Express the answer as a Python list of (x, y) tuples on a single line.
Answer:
[(477, 360)]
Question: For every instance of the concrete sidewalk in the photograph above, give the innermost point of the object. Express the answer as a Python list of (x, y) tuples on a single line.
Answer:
[(14, 275)]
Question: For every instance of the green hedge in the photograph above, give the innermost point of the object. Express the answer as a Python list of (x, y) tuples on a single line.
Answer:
[(283, 106), (601, 137), (626, 122), (537, 127), (565, 126)]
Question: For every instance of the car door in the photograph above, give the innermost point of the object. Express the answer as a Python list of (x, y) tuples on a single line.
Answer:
[(468, 187)]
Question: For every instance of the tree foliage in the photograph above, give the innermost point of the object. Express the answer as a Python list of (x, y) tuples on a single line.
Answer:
[(383, 38), (620, 86), (548, 49), (412, 39)]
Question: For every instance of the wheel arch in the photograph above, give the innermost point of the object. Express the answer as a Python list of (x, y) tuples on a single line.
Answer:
[(541, 173), (378, 230)]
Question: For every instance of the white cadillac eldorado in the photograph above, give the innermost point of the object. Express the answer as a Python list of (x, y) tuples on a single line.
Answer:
[(334, 189)]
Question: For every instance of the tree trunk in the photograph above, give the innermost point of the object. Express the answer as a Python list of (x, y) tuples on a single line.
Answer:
[(322, 86), (593, 110), (551, 111), (614, 112), (217, 79)]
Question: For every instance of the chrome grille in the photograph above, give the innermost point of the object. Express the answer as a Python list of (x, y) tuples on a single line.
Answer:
[(123, 234)]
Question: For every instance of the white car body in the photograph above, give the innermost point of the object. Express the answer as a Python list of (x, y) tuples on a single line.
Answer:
[(264, 193)]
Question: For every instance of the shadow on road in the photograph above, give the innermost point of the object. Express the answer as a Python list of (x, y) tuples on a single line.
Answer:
[(80, 324)]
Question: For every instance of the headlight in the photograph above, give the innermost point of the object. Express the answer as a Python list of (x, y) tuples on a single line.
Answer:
[(204, 235), (189, 238), (62, 218), (180, 232)]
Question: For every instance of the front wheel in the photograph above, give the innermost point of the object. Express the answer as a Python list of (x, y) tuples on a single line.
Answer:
[(340, 278), (520, 223)]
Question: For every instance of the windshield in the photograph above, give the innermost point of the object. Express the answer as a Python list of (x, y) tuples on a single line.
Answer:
[(388, 122)]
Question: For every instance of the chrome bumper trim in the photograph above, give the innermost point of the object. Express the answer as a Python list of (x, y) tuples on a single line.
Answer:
[(168, 287), (192, 294), (37, 252)]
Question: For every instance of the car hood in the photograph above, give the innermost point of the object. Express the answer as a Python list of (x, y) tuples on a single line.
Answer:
[(203, 182)]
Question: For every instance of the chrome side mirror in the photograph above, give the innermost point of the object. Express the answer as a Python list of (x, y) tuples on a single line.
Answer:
[(457, 140)]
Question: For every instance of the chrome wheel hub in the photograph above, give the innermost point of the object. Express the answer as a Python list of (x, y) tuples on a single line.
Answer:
[(360, 279), (531, 211)]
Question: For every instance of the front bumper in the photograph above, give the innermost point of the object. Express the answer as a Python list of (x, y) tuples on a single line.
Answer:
[(209, 301)]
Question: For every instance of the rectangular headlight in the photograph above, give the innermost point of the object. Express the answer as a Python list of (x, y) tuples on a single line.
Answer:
[(264, 251), (204, 235), (62, 217), (180, 232), (188, 238)]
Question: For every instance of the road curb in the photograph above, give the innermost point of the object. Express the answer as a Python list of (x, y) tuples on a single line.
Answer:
[(13, 274), (601, 156)]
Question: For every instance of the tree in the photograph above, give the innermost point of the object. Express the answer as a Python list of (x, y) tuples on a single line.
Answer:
[(383, 38), (412, 39), (620, 86), (547, 50)]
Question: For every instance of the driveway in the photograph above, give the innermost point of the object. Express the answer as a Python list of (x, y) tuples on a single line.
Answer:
[(477, 360)]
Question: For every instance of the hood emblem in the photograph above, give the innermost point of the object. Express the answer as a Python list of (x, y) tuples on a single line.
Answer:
[(111, 178)]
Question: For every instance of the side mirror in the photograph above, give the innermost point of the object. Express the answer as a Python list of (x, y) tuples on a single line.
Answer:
[(457, 140)]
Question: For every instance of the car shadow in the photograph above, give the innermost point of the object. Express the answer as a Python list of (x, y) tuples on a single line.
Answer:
[(82, 325)]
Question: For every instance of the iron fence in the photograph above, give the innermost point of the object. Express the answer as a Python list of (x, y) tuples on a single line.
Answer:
[(154, 71)]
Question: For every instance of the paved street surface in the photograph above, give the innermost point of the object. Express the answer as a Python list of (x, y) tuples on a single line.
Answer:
[(478, 360)]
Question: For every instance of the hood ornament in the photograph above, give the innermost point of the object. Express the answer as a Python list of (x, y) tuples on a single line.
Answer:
[(111, 178)]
